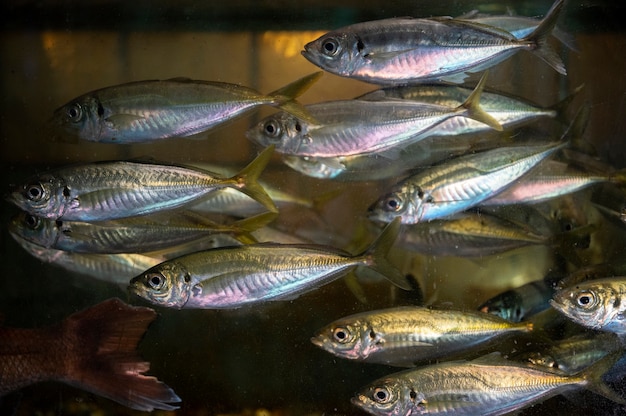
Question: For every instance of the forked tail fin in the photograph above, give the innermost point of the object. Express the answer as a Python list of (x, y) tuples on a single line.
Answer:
[(102, 358)]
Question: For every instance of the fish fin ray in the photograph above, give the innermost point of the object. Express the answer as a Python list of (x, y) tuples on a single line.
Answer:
[(246, 180), (285, 97), (472, 109), (103, 341), (376, 255), (539, 39)]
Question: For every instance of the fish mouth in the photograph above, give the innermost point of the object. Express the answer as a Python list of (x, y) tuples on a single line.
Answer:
[(317, 342)]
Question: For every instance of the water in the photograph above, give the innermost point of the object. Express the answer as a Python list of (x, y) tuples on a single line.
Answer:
[(232, 362)]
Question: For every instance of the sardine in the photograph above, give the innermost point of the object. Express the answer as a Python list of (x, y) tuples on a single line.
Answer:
[(236, 276), (356, 127), (111, 190), (487, 386), (128, 235), (598, 304), (404, 336), (146, 111), (94, 350), (459, 184), (400, 51)]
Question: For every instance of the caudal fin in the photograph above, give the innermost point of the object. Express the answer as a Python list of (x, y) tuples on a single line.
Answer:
[(471, 107), (376, 255), (102, 356), (538, 39), (285, 97), (593, 377), (246, 181)]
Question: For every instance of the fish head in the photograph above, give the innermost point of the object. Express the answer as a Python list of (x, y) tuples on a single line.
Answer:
[(37, 230), (353, 340), (167, 284), (335, 52), (508, 305), (593, 304), (44, 196), (315, 167), (403, 201), (80, 119), (283, 130), (389, 397)]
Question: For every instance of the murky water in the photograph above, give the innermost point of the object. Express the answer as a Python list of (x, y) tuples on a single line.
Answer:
[(255, 358)]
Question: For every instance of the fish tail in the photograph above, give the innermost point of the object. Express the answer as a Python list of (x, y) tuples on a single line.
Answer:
[(561, 107), (102, 356), (538, 39), (471, 107), (375, 257), (592, 377), (246, 181), (244, 227), (285, 97)]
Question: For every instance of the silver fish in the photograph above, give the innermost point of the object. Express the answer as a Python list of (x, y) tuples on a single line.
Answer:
[(521, 302), (487, 386), (129, 235), (519, 26), (469, 234), (507, 110), (551, 180), (112, 268), (458, 184), (146, 111), (400, 51), (236, 276), (111, 190), (573, 354), (426, 152), (356, 127), (404, 336), (598, 304)]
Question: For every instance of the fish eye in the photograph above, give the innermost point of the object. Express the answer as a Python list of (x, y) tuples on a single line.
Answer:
[(330, 46), (35, 192), (156, 281), (585, 299), (381, 395), (31, 221), (74, 112), (341, 335), (393, 203), (272, 129)]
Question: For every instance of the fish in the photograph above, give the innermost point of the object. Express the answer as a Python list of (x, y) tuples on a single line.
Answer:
[(231, 277), (509, 111), (597, 304), (487, 386), (117, 269), (458, 184), (522, 302), (469, 234), (519, 26), (111, 190), (148, 111), (129, 235), (573, 354), (551, 180), (403, 51), (356, 127), (93, 350), (404, 336), (368, 167)]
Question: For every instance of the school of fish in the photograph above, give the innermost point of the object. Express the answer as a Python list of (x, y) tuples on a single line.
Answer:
[(197, 237)]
